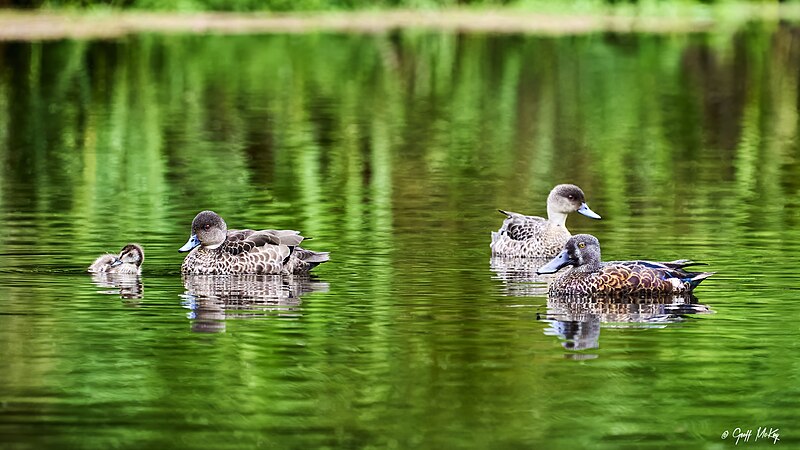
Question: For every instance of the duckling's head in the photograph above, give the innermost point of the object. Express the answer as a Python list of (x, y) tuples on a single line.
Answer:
[(567, 198), (579, 250), (208, 230), (130, 254)]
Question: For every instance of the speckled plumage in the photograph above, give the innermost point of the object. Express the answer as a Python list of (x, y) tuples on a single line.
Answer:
[(591, 277), (215, 250), (129, 261), (536, 237)]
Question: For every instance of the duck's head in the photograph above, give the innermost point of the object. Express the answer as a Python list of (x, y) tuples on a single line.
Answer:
[(567, 198), (579, 250), (208, 230), (130, 254)]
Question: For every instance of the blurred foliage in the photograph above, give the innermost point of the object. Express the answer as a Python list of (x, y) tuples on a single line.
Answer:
[(393, 151), (329, 5), (249, 5), (325, 127)]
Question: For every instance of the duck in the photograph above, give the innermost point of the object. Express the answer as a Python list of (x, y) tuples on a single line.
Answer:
[(129, 261), (589, 276), (537, 237), (216, 250)]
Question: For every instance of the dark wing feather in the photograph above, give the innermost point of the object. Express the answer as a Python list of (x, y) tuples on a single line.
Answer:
[(521, 227), (238, 235), (245, 241), (666, 270)]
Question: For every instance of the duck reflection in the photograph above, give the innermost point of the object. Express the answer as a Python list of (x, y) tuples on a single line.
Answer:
[(127, 285), (519, 275), (577, 320), (214, 298)]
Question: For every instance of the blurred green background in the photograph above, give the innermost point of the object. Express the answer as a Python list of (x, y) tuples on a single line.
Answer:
[(393, 150)]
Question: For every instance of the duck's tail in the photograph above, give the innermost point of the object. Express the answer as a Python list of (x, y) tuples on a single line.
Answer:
[(312, 257), (695, 278), (302, 260), (682, 263)]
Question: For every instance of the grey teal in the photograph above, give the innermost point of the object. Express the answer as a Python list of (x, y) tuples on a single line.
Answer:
[(537, 237), (215, 250)]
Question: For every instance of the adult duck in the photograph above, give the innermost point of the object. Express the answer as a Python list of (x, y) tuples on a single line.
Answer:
[(216, 250), (537, 237), (590, 276)]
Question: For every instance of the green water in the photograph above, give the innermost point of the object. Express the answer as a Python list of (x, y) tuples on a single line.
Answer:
[(394, 151)]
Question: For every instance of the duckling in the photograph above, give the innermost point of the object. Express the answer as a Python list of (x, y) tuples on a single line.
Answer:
[(128, 261)]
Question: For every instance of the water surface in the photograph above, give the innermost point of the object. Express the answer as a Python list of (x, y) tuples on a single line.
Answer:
[(393, 151)]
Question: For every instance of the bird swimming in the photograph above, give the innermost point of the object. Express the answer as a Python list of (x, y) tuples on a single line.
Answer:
[(129, 261), (590, 276), (215, 250), (537, 237)]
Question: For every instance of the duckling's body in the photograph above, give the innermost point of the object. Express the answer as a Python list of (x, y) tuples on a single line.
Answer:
[(589, 276), (537, 237), (129, 261), (215, 250)]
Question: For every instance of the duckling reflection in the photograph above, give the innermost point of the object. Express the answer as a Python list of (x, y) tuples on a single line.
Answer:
[(578, 320), (214, 298), (519, 275), (127, 285)]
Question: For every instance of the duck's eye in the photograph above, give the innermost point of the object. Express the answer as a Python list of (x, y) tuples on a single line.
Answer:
[(581, 245), (207, 227), (571, 197)]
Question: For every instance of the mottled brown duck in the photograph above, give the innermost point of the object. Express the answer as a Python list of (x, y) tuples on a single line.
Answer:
[(589, 276)]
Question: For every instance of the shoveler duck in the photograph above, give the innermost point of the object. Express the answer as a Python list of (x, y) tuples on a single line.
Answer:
[(590, 276), (537, 237)]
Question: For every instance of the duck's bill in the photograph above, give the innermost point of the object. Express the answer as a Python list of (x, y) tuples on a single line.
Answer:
[(190, 244), (584, 209), (116, 262), (555, 264)]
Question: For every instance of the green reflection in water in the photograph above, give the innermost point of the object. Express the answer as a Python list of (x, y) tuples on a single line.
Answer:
[(394, 151)]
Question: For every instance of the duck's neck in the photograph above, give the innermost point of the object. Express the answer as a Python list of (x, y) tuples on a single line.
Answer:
[(588, 267), (556, 217)]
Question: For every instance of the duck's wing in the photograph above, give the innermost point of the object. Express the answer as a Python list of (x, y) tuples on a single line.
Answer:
[(649, 270), (632, 275), (302, 260), (238, 235), (249, 241), (521, 227)]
